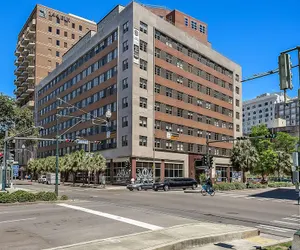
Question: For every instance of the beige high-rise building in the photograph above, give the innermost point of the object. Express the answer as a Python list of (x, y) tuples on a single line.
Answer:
[(44, 38)]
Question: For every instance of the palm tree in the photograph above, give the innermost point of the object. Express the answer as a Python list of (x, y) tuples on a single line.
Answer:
[(97, 164), (283, 163), (244, 157)]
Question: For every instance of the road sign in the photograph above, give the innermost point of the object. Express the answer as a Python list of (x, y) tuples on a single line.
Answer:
[(16, 170)]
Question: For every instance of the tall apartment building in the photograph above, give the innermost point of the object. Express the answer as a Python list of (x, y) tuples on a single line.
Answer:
[(167, 89), (42, 41), (44, 38), (288, 111), (261, 110)]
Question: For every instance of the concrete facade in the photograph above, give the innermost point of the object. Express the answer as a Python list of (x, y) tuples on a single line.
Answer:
[(288, 111), (140, 133)]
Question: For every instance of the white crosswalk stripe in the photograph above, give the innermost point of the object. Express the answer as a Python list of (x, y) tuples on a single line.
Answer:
[(277, 229)]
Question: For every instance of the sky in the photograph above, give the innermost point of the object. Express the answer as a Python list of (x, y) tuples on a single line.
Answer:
[(252, 33)]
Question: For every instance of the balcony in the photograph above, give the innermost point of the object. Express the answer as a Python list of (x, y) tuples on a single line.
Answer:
[(20, 47), (30, 79), (32, 24), (31, 55), (21, 78), (17, 82), (29, 104), (31, 44), (17, 52), (20, 58), (30, 67), (17, 71), (29, 89)]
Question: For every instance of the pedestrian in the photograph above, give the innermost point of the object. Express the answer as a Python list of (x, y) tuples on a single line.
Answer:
[(132, 180), (103, 180)]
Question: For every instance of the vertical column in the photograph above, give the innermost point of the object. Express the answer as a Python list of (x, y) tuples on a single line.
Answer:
[(133, 168), (228, 174), (111, 171), (162, 170)]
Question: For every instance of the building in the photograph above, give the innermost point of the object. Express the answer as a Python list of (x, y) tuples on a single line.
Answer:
[(292, 130), (261, 110), (288, 111), (42, 41), (167, 89)]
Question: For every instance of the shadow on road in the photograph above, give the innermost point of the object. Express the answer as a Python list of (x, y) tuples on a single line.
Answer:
[(280, 193)]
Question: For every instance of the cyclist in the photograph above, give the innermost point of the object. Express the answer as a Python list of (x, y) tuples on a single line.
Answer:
[(208, 185)]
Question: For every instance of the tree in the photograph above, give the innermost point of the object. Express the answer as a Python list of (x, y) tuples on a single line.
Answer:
[(244, 157), (285, 142), (260, 144), (266, 163), (283, 164)]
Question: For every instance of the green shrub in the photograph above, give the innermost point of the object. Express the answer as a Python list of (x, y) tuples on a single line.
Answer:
[(280, 184), (40, 195), (49, 196), (239, 185), (257, 185), (23, 196), (64, 197), (251, 185), (7, 198)]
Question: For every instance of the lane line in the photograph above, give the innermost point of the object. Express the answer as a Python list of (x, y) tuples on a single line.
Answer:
[(288, 223), (10, 221), (113, 217), (278, 229), (292, 219)]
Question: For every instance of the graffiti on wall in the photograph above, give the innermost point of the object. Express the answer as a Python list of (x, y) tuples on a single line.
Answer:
[(144, 175)]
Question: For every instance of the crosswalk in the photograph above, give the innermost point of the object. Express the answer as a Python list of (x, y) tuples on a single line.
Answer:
[(286, 226)]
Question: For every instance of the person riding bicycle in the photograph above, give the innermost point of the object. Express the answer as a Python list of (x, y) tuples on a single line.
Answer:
[(208, 185)]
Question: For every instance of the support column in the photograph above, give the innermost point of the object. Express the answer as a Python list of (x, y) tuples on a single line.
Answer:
[(111, 171), (228, 174), (133, 168), (162, 170)]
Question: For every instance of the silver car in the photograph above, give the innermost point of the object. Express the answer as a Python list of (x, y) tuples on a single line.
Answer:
[(145, 185)]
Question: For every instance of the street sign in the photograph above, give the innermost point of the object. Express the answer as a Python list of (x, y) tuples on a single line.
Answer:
[(16, 170), (80, 141), (108, 134)]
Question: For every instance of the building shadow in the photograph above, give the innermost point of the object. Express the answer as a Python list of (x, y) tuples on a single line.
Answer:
[(280, 193)]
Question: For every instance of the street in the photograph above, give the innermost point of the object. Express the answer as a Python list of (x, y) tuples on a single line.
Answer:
[(100, 214)]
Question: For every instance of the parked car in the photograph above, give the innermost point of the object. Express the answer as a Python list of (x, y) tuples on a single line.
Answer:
[(145, 185), (175, 183), (42, 179)]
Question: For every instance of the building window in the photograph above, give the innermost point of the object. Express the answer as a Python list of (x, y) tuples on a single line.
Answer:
[(66, 34), (143, 64), (73, 25), (237, 102), (143, 121), (168, 92), (190, 83), (169, 109), (124, 121), (57, 20), (237, 114), (186, 21), (125, 46), (143, 102), (57, 31), (169, 145), (143, 27), (179, 96), (157, 124), (57, 42), (65, 45), (190, 147), (179, 79), (180, 112), (169, 127), (200, 133), (157, 106), (57, 53), (49, 29), (125, 27), (237, 90), (179, 63), (143, 46), (169, 75), (124, 140), (157, 143), (190, 99), (80, 27), (190, 131), (125, 102), (143, 83), (143, 141), (202, 28), (125, 64), (190, 115), (169, 58), (157, 88), (157, 52), (157, 70), (179, 146), (73, 36), (125, 83), (208, 91), (238, 127), (193, 25)]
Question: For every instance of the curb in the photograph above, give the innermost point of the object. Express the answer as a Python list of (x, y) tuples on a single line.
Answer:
[(192, 191), (33, 203), (278, 242), (193, 242)]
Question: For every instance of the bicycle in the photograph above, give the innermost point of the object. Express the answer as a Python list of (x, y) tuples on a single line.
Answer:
[(204, 191)]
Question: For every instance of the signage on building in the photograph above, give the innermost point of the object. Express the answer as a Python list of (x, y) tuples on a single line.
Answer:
[(61, 17), (136, 46), (172, 135), (16, 170)]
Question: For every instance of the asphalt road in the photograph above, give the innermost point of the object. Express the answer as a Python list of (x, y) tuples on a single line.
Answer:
[(100, 214)]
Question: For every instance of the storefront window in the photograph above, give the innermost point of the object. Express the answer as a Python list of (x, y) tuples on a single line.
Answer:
[(121, 172), (221, 174), (173, 170), (107, 172), (144, 171)]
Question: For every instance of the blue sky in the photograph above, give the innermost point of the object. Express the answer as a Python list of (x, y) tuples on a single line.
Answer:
[(250, 32)]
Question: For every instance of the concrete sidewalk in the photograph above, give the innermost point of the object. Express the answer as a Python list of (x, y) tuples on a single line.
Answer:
[(177, 237)]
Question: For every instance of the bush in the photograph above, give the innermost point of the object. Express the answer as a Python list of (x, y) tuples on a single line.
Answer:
[(23, 196), (280, 184), (40, 195), (46, 196), (64, 197), (239, 185), (7, 198), (251, 185), (224, 186)]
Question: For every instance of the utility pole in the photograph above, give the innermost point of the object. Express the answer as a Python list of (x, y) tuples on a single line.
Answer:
[(4, 162), (57, 151)]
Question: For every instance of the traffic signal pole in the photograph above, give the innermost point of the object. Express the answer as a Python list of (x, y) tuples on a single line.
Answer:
[(4, 162)]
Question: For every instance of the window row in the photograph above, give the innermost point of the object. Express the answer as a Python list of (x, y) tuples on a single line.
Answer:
[(102, 78), (191, 69), (90, 54), (161, 107), (104, 60), (58, 33), (194, 25), (191, 53), (172, 93)]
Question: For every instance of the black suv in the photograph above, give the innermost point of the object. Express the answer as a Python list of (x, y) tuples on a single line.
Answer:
[(175, 183)]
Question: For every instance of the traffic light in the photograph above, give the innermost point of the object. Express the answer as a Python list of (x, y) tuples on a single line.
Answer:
[(285, 72), (211, 161), (204, 160), (270, 136), (242, 138)]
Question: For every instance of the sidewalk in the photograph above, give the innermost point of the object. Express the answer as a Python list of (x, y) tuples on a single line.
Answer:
[(177, 237)]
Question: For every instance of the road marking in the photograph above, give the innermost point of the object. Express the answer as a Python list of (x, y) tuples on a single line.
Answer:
[(248, 198), (263, 199), (292, 219), (288, 223), (278, 229), (295, 215), (113, 217), (10, 221)]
